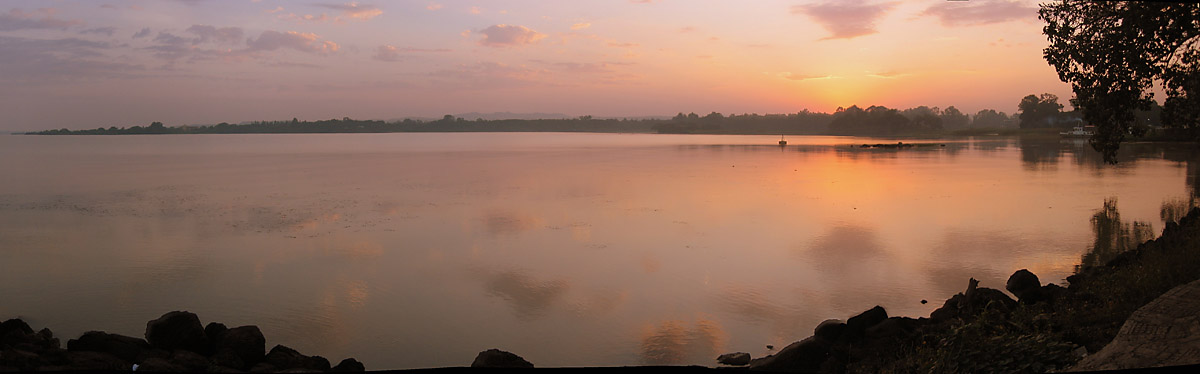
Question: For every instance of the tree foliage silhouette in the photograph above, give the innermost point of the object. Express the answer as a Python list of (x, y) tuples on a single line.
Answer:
[(1114, 53)]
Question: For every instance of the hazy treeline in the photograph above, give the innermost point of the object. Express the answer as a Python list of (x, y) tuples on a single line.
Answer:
[(1034, 111)]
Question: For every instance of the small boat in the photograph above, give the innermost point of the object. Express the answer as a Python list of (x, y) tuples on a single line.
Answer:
[(781, 141), (1079, 132)]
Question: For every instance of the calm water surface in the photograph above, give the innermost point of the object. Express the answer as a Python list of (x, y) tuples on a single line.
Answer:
[(420, 250)]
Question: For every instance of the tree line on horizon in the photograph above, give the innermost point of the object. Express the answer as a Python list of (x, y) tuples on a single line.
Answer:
[(1034, 111)]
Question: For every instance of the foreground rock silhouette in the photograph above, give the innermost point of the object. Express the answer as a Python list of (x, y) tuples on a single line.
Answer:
[(175, 342)]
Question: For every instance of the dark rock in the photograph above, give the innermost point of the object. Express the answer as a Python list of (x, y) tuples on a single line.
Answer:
[(805, 356), (263, 367), (990, 298), (298, 370), (155, 364), (734, 359), (15, 325), (21, 359), (1052, 292), (495, 358), (285, 358), (87, 360), (830, 329), (213, 331), (223, 369), (13, 332), (190, 361), (245, 342), (349, 365), (228, 358), (1024, 285), (127, 348), (894, 327), (177, 330), (973, 301), (856, 326)]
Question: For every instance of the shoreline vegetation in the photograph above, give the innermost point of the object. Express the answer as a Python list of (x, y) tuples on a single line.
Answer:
[(1045, 328), (1036, 116)]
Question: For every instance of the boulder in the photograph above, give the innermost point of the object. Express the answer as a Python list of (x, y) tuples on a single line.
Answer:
[(495, 358), (734, 359), (1052, 292), (830, 329), (857, 326), (88, 360), (188, 360), (894, 327), (948, 310), (177, 330), (349, 365), (124, 347), (263, 367), (246, 343), (14, 331), (805, 356), (1024, 285), (285, 358), (156, 364), (229, 359)]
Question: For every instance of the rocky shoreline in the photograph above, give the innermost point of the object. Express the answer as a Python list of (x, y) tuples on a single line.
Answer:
[(1045, 328), (175, 342)]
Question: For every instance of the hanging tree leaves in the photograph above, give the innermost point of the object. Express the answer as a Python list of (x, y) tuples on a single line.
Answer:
[(1114, 53)]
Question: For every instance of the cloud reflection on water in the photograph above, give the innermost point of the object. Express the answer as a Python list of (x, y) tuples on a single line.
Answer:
[(682, 341)]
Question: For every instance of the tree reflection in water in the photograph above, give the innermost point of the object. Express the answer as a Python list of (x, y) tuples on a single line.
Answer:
[(1112, 236)]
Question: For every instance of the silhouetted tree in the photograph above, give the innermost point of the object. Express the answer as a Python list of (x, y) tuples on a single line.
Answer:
[(1039, 112), (1113, 53), (990, 118), (952, 118)]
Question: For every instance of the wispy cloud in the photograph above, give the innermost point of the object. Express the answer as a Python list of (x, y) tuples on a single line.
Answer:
[(206, 33), (107, 31), (581, 26), (24, 60), (304, 42), (968, 13), (387, 53), (144, 32), (355, 11), (845, 20), (433, 6), (352, 11), (509, 35), (802, 77), (42, 18)]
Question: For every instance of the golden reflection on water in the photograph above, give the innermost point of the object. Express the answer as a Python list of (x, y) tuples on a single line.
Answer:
[(420, 250)]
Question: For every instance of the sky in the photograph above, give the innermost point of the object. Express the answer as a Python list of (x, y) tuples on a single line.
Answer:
[(89, 64)]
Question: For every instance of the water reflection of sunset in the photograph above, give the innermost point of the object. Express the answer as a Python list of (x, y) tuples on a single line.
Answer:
[(646, 248)]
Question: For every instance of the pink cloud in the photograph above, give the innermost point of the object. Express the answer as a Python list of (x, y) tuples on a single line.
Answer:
[(980, 12), (355, 11), (303, 42), (43, 18), (845, 20), (509, 35)]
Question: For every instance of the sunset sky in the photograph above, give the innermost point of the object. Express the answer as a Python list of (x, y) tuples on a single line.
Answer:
[(88, 64)]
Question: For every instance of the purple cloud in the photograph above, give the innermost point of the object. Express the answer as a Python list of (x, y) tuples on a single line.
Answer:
[(964, 13), (845, 20), (303, 42), (206, 33), (43, 18)]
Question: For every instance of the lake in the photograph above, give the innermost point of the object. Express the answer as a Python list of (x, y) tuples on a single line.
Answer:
[(421, 250)]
